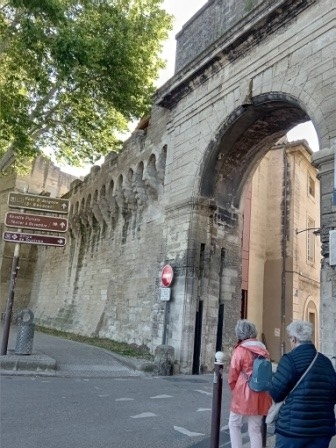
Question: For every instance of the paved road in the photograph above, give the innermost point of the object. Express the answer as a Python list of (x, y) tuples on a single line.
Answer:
[(97, 400), (62, 357), (96, 412)]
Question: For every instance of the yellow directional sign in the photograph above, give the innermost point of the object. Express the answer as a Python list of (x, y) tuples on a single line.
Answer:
[(35, 202)]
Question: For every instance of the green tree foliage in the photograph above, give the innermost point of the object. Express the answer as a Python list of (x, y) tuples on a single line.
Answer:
[(74, 73)]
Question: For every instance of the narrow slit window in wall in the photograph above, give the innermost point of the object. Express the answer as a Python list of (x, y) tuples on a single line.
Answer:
[(311, 186), (310, 241)]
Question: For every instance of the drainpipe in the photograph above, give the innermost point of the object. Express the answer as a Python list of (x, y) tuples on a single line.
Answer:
[(284, 247), (334, 192)]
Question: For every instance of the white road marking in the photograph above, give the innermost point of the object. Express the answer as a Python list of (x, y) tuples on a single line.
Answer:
[(203, 392), (203, 409), (144, 415), (124, 399), (187, 433), (161, 396), (105, 395)]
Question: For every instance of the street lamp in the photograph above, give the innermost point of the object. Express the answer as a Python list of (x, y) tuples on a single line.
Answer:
[(316, 230)]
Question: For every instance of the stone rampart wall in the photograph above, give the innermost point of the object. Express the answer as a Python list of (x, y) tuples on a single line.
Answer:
[(105, 281)]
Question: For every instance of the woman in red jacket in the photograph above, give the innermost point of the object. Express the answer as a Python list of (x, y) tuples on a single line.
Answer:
[(246, 403)]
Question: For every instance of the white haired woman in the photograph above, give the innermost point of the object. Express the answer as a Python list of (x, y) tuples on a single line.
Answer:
[(307, 418), (246, 403)]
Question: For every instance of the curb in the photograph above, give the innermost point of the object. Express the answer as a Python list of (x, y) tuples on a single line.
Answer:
[(142, 365), (37, 363)]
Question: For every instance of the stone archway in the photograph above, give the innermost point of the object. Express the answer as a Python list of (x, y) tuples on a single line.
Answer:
[(229, 162), (243, 140)]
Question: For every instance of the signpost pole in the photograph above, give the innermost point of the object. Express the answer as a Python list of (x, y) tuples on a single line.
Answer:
[(165, 322), (47, 223), (10, 301), (167, 276)]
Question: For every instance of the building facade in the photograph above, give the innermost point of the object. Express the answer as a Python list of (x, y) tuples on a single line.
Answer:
[(281, 279)]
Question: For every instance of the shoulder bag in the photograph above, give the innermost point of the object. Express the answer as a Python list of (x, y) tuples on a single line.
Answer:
[(274, 410)]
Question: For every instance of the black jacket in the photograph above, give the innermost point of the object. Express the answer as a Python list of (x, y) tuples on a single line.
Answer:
[(309, 409)]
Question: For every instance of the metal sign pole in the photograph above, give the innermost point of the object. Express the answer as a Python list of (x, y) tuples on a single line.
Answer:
[(165, 323), (47, 223), (10, 301)]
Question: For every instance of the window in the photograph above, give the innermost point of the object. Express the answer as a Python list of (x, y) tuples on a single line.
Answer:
[(312, 320), (243, 306), (311, 241), (311, 186)]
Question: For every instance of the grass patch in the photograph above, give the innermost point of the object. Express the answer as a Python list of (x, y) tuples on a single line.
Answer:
[(121, 348)]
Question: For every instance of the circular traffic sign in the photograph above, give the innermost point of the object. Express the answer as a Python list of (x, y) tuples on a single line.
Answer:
[(167, 275)]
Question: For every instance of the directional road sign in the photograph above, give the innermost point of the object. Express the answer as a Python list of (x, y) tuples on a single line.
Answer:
[(35, 202), (42, 222), (28, 238)]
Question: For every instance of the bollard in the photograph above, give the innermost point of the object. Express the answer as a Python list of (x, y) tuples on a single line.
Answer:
[(264, 432), (217, 400), (164, 360)]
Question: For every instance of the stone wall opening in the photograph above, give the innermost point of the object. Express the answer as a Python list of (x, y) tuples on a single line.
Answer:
[(230, 161)]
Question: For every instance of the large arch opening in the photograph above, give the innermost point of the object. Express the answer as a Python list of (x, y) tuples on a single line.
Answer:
[(242, 142), (265, 271)]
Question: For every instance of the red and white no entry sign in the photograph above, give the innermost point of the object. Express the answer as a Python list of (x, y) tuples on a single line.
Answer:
[(167, 275)]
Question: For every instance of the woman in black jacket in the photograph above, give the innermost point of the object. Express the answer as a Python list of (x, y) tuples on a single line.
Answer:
[(307, 418)]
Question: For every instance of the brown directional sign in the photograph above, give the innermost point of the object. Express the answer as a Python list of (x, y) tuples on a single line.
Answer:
[(35, 202), (42, 222), (28, 238)]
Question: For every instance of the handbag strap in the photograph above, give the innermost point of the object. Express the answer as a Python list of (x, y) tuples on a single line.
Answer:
[(305, 373)]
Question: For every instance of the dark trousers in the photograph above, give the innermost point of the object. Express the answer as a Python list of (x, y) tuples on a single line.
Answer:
[(302, 442)]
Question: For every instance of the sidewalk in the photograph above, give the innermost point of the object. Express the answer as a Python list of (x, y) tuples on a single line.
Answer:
[(55, 356)]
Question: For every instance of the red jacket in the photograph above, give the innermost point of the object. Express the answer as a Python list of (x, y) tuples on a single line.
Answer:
[(244, 400)]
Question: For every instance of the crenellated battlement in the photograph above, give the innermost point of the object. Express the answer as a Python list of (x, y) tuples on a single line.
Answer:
[(123, 186)]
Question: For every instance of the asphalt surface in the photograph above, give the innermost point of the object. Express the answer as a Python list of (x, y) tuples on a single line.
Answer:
[(56, 357)]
